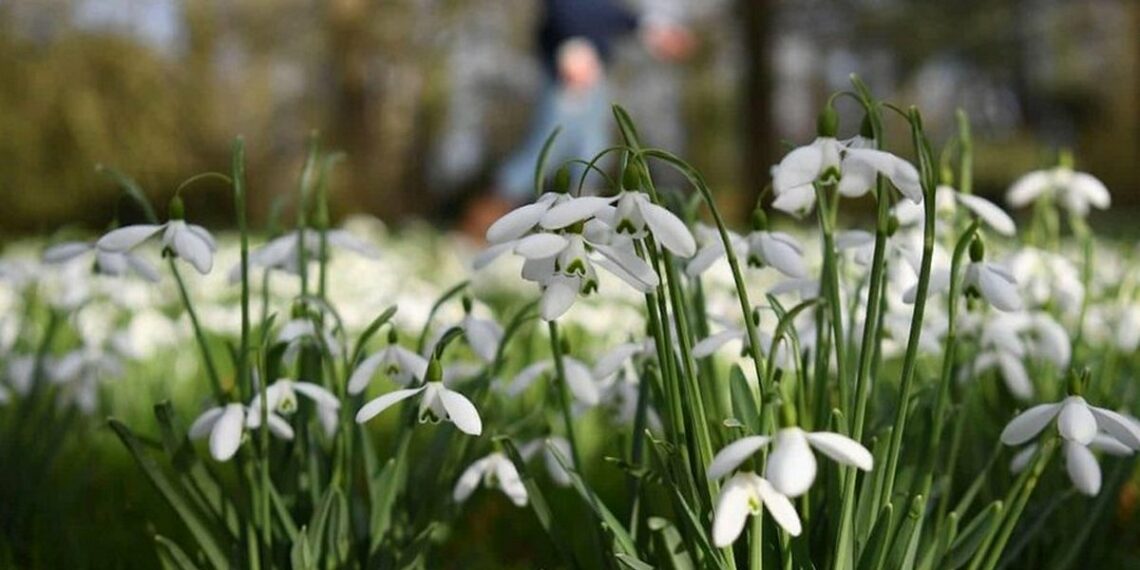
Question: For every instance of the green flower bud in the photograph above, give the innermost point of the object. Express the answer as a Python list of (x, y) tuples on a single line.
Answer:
[(434, 371), (828, 123), (866, 128), (562, 180), (467, 302), (759, 220), (176, 210), (977, 250), (393, 336), (631, 178)]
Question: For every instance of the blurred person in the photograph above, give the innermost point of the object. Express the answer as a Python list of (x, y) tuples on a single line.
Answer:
[(575, 43)]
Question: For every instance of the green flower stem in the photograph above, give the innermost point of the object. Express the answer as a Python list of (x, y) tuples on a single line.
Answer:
[(906, 383), (565, 396), (756, 544), (829, 289), (199, 334), (1016, 499), (307, 173)]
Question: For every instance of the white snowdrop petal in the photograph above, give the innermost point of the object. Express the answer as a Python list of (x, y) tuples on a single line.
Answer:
[(791, 466), (1118, 426), (142, 267), (999, 291), (461, 412), (796, 201), (1083, 469), (572, 211), (226, 435), (1091, 189), (668, 229), (127, 237), (636, 271), (345, 240), (704, 258), (1027, 188), (1076, 422), (318, 394), (557, 298), (1021, 460), (191, 247), (732, 509), (779, 506), (205, 422), (781, 252), (538, 246), (989, 213), (712, 343), (65, 251), (858, 177), (842, 449), (371, 409), (279, 427), (510, 482), (611, 361), (735, 453), (799, 168), (364, 372), (1015, 376), (581, 382), (516, 223), (526, 377), (483, 336), (1110, 445), (485, 257), (1029, 423), (468, 481)]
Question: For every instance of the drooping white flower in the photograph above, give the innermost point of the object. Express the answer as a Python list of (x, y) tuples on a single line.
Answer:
[(112, 263), (282, 252), (634, 215), (281, 397), (853, 166), (549, 447), (226, 424), (748, 494), (1047, 278), (791, 466), (578, 379), (994, 283), (1077, 421), (1080, 463), (437, 403), (946, 200), (493, 471), (401, 365), (300, 332), (1074, 191), (188, 241)]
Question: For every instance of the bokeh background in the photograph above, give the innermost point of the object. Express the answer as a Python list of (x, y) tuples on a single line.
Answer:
[(427, 97)]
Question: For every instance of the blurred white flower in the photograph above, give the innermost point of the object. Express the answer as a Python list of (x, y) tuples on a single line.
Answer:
[(281, 397), (852, 165), (747, 494), (1074, 191), (1080, 463), (493, 471), (188, 241), (226, 424), (578, 378), (1077, 421), (401, 365), (112, 263), (283, 252)]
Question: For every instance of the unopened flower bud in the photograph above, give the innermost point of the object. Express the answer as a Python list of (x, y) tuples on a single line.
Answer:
[(562, 180), (828, 123), (176, 210), (977, 250)]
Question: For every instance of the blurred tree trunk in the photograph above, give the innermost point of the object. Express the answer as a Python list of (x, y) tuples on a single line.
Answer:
[(756, 105), (349, 44)]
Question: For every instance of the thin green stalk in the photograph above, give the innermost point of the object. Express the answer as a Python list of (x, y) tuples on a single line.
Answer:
[(199, 334), (756, 544), (829, 285), (565, 398), (1017, 498)]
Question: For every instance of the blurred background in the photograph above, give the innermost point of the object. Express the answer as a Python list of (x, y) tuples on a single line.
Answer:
[(427, 97)]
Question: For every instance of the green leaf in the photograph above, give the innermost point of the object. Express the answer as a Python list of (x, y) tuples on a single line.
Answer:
[(540, 165), (670, 544), (193, 475), (301, 556), (371, 330), (537, 500), (205, 537), (171, 555), (132, 190), (623, 542), (875, 550), (971, 537), (628, 561), (743, 402)]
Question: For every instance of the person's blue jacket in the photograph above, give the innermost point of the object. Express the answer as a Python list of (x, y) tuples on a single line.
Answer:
[(598, 21)]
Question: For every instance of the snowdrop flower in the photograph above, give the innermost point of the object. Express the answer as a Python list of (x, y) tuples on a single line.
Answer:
[(578, 378), (994, 283), (301, 331), (1045, 277), (187, 241), (1007, 340), (946, 201), (522, 220), (281, 397), (283, 252), (482, 335), (1076, 421), (609, 363), (1074, 191), (111, 263), (226, 424), (852, 165), (437, 403), (493, 471), (791, 466), (747, 494), (634, 215), (398, 363)]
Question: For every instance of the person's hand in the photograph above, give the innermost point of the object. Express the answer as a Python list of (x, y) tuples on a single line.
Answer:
[(669, 42), (579, 66)]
